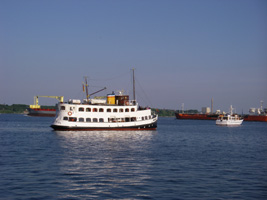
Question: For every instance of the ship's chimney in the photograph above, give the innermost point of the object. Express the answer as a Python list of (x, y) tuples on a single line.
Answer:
[(211, 105)]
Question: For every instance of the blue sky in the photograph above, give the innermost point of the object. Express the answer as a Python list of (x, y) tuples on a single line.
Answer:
[(184, 51)]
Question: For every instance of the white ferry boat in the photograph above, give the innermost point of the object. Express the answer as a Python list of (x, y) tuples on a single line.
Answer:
[(115, 112), (229, 119)]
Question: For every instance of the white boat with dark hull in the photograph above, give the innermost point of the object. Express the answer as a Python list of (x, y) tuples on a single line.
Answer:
[(229, 119), (115, 112)]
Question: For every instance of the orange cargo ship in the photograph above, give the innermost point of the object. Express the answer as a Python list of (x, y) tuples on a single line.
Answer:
[(196, 116), (257, 114), (257, 118)]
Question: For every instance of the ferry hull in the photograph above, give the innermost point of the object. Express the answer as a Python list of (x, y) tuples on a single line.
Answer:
[(42, 112), (152, 126)]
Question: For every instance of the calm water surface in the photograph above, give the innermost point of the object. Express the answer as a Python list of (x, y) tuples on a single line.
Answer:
[(181, 160)]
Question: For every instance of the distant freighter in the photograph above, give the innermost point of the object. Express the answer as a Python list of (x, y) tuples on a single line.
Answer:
[(36, 110), (258, 118), (41, 112), (206, 114), (196, 116), (257, 114)]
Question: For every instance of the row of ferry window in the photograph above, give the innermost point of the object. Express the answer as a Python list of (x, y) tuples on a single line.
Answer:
[(75, 119), (81, 109), (81, 119)]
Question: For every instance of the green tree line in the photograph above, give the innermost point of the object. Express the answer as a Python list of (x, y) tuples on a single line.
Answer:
[(17, 108)]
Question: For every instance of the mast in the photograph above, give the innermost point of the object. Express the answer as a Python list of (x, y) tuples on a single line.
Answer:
[(134, 100), (86, 88), (231, 110)]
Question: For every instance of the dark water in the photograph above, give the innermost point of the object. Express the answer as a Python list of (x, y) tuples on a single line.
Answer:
[(181, 160)]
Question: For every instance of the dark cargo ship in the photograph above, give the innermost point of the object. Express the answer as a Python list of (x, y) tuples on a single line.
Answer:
[(36, 110), (41, 112)]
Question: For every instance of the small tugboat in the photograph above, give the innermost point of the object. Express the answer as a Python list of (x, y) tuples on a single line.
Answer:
[(115, 112), (229, 119)]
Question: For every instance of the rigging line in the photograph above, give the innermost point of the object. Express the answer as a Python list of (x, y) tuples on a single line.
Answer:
[(147, 100)]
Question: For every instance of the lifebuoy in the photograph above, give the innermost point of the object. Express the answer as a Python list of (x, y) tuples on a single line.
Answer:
[(69, 113)]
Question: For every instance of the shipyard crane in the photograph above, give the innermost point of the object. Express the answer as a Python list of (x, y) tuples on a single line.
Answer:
[(36, 100)]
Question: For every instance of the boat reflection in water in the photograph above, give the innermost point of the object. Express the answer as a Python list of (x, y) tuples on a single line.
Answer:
[(118, 135), (99, 162)]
